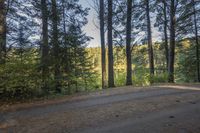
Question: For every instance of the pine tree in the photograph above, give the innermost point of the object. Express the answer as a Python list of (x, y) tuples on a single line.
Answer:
[(144, 25), (180, 25), (103, 50), (128, 43), (3, 26), (45, 42), (110, 45), (162, 20), (196, 39), (55, 43)]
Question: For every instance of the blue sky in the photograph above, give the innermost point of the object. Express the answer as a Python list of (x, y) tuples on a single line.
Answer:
[(90, 28), (93, 31)]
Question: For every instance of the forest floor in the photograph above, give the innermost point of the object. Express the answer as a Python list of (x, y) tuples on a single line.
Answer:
[(155, 109)]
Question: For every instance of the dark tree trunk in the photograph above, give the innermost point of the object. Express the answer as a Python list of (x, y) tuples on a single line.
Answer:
[(55, 45), (67, 68), (2, 32), (150, 47), (166, 34), (103, 51), (45, 45), (128, 43), (172, 42), (197, 41), (110, 46)]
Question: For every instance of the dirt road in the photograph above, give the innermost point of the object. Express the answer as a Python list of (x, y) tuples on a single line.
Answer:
[(158, 109)]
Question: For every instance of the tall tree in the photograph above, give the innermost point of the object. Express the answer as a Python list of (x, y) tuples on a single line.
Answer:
[(44, 44), (162, 24), (128, 43), (2, 31), (103, 51), (149, 37), (165, 25), (55, 43), (196, 39), (110, 45), (172, 40)]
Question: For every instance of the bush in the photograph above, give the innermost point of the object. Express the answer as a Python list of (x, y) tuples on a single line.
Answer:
[(160, 78), (19, 81)]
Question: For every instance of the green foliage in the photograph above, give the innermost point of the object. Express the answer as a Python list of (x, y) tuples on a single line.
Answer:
[(160, 78), (19, 80), (186, 62), (141, 77)]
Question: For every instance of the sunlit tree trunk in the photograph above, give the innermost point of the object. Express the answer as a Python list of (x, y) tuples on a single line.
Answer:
[(103, 51)]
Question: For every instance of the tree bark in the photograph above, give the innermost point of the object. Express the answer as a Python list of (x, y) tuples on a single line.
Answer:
[(166, 35), (67, 68), (45, 44), (103, 51), (128, 43), (197, 41), (110, 46), (2, 32), (172, 42), (150, 47), (55, 45)]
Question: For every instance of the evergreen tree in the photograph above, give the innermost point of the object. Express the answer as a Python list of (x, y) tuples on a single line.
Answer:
[(3, 26), (144, 8), (195, 21), (128, 43), (110, 45), (45, 42), (180, 24), (103, 50), (162, 19)]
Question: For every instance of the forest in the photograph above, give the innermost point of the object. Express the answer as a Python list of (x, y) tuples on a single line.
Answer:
[(45, 51)]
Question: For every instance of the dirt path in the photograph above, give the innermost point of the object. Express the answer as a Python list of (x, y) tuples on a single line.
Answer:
[(159, 109)]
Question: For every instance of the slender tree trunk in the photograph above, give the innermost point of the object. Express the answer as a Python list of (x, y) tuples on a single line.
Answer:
[(197, 41), (150, 47), (103, 51), (166, 34), (172, 42), (56, 45), (45, 44), (2, 32), (128, 43), (110, 46), (68, 70)]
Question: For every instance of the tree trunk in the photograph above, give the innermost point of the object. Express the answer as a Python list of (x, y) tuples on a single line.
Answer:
[(110, 46), (2, 32), (55, 45), (128, 43), (197, 41), (45, 45), (103, 51), (150, 47), (172, 42), (166, 34), (67, 68)]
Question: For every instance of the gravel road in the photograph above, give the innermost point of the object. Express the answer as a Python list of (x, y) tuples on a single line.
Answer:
[(156, 109)]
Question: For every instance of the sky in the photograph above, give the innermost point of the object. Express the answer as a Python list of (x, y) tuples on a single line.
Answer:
[(92, 30)]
